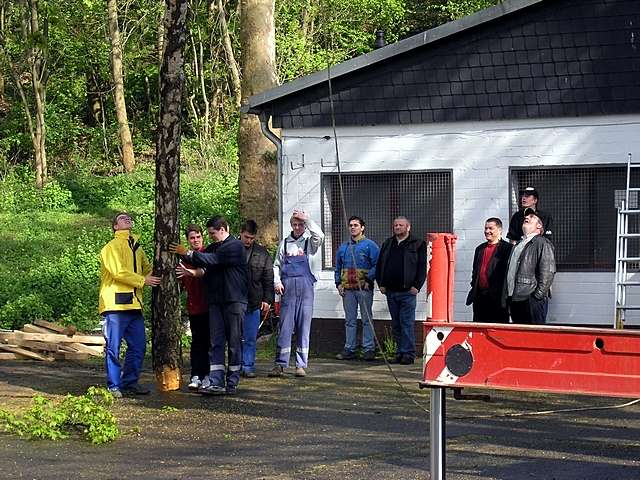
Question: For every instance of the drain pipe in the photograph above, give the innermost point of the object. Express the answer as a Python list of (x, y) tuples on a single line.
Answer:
[(267, 132)]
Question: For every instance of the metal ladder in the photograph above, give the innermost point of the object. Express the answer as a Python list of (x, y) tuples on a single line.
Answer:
[(623, 258)]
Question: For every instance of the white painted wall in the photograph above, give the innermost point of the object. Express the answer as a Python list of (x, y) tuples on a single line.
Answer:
[(480, 154)]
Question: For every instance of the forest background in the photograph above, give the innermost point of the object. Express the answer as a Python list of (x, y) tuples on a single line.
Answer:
[(67, 163)]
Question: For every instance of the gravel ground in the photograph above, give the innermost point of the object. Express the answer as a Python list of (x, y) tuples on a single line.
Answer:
[(345, 420)]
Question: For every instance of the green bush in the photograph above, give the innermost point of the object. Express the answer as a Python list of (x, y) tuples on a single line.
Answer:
[(48, 420)]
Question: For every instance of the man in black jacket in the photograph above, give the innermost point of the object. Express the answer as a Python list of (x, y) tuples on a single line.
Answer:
[(400, 273), (261, 296), (531, 269), (225, 281), (487, 278), (529, 198)]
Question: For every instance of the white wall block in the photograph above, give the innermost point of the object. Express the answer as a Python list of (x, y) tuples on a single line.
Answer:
[(480, 155)]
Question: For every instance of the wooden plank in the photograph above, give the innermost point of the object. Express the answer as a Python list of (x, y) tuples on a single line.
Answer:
[(33, 329), (70, 356), (39, 346), (93, 350), (25, 352), (12, 356), (54, 337), (7, 337), (55, 327)]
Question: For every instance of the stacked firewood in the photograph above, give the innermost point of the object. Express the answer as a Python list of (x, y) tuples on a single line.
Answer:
[(47, 341)]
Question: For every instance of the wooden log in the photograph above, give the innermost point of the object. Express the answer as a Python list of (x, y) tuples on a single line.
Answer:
[(25, 352)]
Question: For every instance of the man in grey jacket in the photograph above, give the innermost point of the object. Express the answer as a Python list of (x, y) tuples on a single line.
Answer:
[(531, 269)]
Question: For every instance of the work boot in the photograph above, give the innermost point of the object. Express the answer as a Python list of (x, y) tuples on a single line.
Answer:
[(406, 360), (277, 371), (300, 372), (369, 355), (346, 355), (135, 389), (249, 374), (396, 359), (232, 390)]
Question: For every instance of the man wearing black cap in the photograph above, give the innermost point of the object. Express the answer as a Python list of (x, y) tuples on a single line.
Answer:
[(528, 199), (531, 269)]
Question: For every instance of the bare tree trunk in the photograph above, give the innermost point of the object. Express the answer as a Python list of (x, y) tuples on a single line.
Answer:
[(166, 346), (128, 160), (258, 163), (231, 59), (34, 37)]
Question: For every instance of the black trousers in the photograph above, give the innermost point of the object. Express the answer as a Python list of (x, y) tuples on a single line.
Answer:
[(530, 311), (225, 324), (487, 309), (200, 345)]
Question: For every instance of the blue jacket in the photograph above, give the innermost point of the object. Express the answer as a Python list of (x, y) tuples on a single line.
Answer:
[(352, 276)]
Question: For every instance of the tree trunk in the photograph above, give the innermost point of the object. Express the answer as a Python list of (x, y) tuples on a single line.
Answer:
[(34, 37), (231, 58), (258, 163), (128, 160), (166, 346)]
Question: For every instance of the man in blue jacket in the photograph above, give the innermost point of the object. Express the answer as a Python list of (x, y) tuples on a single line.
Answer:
[(354, 276), (225, 281)]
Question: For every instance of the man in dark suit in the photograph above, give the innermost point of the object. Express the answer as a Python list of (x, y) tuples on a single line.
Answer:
[(487, 279)]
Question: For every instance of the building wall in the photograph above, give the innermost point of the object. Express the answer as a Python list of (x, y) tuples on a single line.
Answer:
[(480, 155)]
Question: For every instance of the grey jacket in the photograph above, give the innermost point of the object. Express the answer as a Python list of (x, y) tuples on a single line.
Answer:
[(535, 271)]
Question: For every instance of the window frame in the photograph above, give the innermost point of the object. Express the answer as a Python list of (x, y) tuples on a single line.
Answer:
[(325, 175), (513, 190)]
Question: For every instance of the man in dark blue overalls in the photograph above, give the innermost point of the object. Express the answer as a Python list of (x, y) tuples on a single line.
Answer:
[(294, 281)]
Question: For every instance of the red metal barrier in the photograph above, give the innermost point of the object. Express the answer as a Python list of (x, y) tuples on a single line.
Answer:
[(520, 357), (533, 358)]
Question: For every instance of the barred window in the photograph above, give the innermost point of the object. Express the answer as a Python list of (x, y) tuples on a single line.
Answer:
[(582, 202), (425, 198)]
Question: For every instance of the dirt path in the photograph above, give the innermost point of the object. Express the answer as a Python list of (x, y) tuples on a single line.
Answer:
[(344, 421)]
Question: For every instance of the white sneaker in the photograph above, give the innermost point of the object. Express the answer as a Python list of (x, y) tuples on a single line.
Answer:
[(194, 384), (205, 382)]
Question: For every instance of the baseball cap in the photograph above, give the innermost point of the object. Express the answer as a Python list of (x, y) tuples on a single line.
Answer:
[(529, 191)]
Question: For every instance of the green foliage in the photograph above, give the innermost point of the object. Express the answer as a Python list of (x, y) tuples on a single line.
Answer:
[(312, 34), (48, 420), (50, 268), (455, 9), (389, 346), (18, 194)]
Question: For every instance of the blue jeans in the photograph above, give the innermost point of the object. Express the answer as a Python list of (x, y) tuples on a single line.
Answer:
[(402, 307), (130, 326), (351, 300), (249, 335)]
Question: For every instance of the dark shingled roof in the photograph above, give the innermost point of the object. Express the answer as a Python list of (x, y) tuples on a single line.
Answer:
[(519, 59)]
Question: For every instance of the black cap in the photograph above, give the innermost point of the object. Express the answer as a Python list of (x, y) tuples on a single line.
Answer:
[(529, 191), (532, 211)]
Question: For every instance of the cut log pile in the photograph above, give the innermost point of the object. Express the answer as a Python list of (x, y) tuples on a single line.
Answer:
[(47, 342)]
